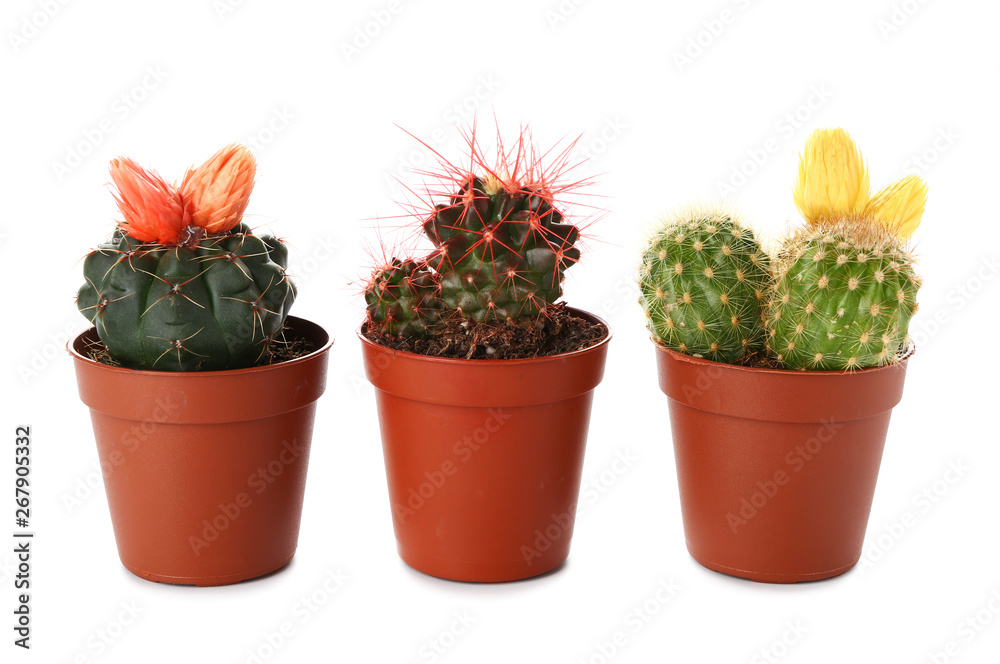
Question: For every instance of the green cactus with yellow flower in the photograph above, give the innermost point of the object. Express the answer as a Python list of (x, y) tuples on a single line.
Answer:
[(839, 293), (844, 289)]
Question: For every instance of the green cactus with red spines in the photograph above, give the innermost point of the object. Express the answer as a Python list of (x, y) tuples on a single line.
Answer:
[(501, 251), (405, 297)]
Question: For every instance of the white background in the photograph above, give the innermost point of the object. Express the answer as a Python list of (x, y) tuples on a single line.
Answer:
[(914, 83)]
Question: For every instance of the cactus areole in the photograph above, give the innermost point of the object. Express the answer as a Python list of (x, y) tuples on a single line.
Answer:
[(501, 242), (183, 284)]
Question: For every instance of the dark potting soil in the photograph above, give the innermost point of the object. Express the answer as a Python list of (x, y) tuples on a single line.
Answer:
[(555, 330), (280, 350), (761, 361)]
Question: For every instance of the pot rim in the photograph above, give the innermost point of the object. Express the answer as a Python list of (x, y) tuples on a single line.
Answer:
[(70, 348), (701, 361), (458, 361)]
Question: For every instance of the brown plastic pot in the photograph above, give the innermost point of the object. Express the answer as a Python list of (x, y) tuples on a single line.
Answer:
[(483, 457), (205, 471), (776, 468)]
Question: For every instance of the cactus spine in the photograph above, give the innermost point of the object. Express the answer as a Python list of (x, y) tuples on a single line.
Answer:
[(702, 284)]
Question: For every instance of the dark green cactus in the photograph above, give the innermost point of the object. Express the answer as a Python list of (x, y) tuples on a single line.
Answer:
[(702, 283), (183, 285), (843, 297), (215, 304), (501, 251)]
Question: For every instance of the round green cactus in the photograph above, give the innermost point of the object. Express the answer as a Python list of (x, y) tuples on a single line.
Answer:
[(405, 298), (215, 304), (183, 285), (843, 296), (702, 284)]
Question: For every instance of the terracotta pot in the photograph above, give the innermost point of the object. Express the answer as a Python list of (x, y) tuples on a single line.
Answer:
[(205, 471), (776, 468), (483, 457)]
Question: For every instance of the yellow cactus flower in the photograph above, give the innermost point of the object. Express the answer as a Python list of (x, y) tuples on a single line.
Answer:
[(833, 178), (899, 206)]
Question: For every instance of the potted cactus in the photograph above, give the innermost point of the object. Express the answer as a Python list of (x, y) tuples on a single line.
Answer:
[(483, 381), (201, 388), (782, 370)]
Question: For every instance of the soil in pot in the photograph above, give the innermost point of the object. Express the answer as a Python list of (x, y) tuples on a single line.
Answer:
[(556, 330)]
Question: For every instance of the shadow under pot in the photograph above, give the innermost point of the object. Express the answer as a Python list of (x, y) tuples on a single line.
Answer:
[(776, 468), (483, 458), (205, 471)]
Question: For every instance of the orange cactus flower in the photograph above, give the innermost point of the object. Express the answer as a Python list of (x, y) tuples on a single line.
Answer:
[(152, 207), (215, 194)]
